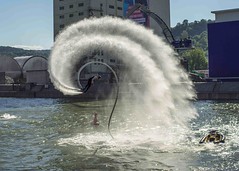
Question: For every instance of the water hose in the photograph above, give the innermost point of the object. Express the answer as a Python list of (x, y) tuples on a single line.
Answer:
[(116, 99), (117, 89)]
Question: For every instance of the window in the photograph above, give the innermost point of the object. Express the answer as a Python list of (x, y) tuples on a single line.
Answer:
[(71, 15), (80, 13), (111, 6), (70, 6), (112, 60), (62, 26), (62, 16), (61, 0), (61, 8), (119, 8), (101, 6), (80, 4), (119, 0)]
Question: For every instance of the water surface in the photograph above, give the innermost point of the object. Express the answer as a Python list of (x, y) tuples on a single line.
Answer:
[(56, 134)]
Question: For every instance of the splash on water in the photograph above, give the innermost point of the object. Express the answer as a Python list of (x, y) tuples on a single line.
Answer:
[(163, 100), (7, 116)]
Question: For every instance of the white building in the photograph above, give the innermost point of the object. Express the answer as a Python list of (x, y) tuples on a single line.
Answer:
[(226, 15), (69, 11)]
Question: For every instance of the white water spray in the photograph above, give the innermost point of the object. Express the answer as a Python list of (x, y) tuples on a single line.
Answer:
[(164, 102)]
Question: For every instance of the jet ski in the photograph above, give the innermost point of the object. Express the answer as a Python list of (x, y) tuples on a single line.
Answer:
[(213, 137)]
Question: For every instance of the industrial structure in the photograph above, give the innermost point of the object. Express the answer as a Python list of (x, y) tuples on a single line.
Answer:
[(24, 70), (25, 76), (223, 39)]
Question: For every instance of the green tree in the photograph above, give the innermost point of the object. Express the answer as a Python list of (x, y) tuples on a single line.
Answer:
[(200, 41), (196, 59), (193, 28), (196, 30)]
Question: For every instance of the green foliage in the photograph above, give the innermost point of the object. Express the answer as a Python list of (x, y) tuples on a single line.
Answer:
[(200, 41), (193, 28), (196, 59), (197, 31)]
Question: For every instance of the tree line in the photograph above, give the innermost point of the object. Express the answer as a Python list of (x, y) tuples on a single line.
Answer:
[(197, 57), (15, 52), (197, 32)]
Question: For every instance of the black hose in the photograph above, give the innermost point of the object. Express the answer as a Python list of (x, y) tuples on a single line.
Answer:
[(117, 89), (111, 114)]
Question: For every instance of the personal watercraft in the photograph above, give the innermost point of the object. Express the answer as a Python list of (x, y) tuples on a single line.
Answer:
[(214, 137)]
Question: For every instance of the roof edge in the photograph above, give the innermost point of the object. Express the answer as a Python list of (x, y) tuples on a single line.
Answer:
[(226, 10)]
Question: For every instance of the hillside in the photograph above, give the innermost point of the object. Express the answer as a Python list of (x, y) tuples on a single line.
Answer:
[(196, 30), (192, 28), (14, 52)]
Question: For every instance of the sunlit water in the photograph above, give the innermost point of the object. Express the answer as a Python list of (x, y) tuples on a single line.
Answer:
[(56, 134)]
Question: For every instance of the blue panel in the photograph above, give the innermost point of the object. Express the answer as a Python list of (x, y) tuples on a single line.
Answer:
[(223, 48)]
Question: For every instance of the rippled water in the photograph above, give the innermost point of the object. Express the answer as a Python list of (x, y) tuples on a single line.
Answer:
[(56, 134)]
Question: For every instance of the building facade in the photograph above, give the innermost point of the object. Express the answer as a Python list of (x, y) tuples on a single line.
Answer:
[(226, 15), (67, 12), (223, 39)]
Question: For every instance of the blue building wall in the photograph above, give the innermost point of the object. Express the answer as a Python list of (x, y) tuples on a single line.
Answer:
[(223, 48)]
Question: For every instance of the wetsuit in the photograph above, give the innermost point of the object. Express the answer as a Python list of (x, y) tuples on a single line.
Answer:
[(90, 82)]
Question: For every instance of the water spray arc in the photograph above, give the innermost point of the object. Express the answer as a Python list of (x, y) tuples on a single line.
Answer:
[(163, 98), (117, 89)]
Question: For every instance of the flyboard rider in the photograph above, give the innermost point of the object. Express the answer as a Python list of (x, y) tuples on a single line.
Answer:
[(91, 82), (88, 85), (95, 119)]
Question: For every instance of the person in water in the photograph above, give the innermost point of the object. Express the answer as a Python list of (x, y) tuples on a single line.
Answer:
[(213, 136), (91, 82), (95, 120)]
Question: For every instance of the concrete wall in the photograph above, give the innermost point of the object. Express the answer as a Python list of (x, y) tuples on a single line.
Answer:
[(38, 77), (162, 9), (2, 77), (217, 90)]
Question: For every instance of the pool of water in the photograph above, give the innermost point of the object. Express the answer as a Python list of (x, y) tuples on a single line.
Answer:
[(57, 134)]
